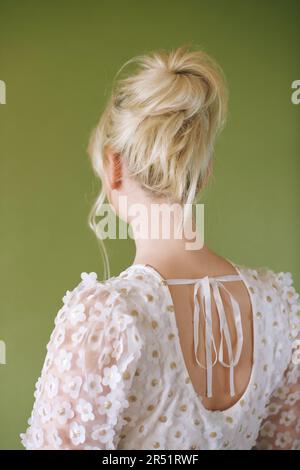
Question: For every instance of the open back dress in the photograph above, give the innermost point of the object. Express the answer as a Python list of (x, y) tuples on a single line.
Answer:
[(115, 377)]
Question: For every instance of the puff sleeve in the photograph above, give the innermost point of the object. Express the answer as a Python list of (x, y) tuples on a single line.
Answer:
[(89, 367), (280, 429)]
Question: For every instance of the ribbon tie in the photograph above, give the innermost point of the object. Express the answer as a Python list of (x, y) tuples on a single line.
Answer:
[(204, 285)]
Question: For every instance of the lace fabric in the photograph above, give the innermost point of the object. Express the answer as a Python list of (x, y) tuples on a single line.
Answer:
[(114, 378)]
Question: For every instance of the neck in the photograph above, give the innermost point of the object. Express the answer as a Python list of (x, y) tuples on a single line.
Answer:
[(161, 245)]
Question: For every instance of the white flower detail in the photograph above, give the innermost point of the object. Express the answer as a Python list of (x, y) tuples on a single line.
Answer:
[(293, 398), (77, 314), (273, 408), (38, 388), (62, 411), (293, 374), (117, 348), (110, 405), (85, 410), (230, 421), (61, 315), (112, 330), (59, 336), (102, 433), (63, 360), (111, 376), (51, 386), (80, 359), (212, 435), (286, 278), (268, 429), (29, 421), (78, 336), (93, 385), (292, 295), (37, 437), (67, 297), (72, 386), (287, 417), (121, 321), (48, 361), (44, 411), (54, 438), (89, 279), (296, 353), (104, 357), (281, 392), (25, 441), (97, 312), (283, 439), (95, 338), (153, 354), (77, 433)]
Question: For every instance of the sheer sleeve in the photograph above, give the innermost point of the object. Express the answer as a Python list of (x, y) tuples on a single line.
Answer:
[(280, 429), (91, 359)]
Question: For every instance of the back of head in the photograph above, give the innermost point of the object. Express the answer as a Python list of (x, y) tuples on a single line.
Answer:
[(163, 120)]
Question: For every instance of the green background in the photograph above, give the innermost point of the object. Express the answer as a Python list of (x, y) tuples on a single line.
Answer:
[(58, 59)]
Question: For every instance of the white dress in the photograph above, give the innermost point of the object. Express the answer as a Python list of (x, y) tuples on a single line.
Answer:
[(114, 375)]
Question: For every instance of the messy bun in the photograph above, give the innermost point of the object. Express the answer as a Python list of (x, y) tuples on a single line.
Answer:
[(163, 120)]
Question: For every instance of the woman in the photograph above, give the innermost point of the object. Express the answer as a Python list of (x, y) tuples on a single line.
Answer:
[(184, 349)]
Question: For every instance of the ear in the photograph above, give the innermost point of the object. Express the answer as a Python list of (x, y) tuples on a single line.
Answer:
[(114, 169)]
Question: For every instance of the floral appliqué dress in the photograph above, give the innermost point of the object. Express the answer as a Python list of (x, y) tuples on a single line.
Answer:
[(114, 375)]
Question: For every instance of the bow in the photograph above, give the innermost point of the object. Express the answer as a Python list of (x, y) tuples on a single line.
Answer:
[(204, 285)]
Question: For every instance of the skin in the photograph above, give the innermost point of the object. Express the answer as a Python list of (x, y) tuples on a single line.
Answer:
[(172, 260)]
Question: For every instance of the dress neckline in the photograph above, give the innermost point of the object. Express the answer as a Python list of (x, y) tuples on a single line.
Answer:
[(238, 276), (177, 281), (223, 278)]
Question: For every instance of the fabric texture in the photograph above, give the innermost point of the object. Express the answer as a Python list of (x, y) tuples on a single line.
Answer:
[(114, 376)]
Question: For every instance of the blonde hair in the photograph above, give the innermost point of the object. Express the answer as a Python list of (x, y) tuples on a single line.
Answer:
[(163, 120)]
